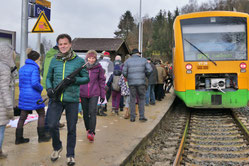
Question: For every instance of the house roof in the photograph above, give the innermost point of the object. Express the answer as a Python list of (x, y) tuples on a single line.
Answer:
[(98, 44)]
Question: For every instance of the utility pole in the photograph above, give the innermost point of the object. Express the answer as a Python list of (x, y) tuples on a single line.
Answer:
[(140, 37), (24, 32), (39, 43)]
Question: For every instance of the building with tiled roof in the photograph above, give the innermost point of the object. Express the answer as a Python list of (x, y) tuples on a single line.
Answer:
[(115, 46)]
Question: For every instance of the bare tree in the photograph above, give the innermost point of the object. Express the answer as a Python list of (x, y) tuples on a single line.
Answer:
[(191, 7), (47, 44)]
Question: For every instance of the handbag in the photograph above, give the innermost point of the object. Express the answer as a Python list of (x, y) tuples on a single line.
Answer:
[(17, 111)]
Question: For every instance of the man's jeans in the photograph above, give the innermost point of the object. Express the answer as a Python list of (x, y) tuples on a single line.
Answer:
[(150, 94), (2, 129), (54, 115), (139, 90)]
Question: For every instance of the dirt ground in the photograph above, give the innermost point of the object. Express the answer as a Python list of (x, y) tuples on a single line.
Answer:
[(116, 138)]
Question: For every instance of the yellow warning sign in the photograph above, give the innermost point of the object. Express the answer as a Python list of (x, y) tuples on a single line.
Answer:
[(42, 24)]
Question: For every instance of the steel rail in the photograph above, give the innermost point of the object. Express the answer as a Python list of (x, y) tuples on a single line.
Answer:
[(241, 126), (181, 147)]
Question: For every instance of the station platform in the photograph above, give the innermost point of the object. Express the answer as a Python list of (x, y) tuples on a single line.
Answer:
[(115, 140)]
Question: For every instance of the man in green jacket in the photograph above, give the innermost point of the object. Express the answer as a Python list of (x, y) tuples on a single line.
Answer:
[(49, 56), (62, 65)]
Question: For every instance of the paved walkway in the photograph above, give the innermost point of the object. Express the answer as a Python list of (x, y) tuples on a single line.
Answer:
[(115, 139)]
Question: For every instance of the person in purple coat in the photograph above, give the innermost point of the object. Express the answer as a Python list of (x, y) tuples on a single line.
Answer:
[(89, 93)]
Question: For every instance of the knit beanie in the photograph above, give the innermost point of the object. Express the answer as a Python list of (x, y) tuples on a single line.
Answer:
[(118, 58), (33, 55), (107, 54), (91, 53)]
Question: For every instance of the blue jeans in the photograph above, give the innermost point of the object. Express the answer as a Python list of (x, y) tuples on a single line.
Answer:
[(54, 115), (150, 94), (2, 129)]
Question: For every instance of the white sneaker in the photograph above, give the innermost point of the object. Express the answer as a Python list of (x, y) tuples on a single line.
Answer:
[(55, 154), (70, 161)]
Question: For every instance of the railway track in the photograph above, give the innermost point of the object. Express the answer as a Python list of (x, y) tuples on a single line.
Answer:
[(214, 137)]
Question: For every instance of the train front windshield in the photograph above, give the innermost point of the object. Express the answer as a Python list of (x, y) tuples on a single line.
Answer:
[(215, 38)]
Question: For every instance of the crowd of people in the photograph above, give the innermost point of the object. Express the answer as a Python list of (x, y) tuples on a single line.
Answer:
[(74, 83)]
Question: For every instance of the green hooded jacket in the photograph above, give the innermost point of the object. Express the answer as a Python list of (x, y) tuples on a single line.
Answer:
[(60, 69), (49, 56)]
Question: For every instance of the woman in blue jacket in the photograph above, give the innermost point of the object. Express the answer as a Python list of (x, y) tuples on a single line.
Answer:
[(30, 92)]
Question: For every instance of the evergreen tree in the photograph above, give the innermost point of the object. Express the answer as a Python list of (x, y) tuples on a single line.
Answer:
[(126, 25), (158, 30)]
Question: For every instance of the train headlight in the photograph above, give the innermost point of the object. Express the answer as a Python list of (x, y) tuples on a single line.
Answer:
[(243, 67), (189, 67)]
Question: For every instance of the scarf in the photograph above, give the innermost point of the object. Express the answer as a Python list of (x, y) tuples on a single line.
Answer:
[(66, 56), (90, 66)]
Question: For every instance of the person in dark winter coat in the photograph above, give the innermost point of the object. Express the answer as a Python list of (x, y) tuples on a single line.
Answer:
[(30, 92), (116, 90), (152, 81), (62, 65), (7, 76), (161, 73), (118, 61), (89, 93), (136, 69)]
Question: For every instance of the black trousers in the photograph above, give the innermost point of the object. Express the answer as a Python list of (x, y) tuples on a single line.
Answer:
[(159, 91), (24, 115), (89, 106)]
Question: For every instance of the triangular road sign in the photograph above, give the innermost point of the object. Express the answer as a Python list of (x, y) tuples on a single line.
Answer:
[(42, 24)]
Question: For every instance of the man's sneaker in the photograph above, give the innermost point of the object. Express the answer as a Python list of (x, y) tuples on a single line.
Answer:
[(70, 161), (55, 154), (90, 137), (132, 119), (143, 119)]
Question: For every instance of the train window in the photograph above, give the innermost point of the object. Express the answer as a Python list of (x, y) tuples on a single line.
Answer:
[(220, 40)]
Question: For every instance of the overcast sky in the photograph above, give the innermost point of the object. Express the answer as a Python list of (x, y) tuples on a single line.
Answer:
[(82, 18)]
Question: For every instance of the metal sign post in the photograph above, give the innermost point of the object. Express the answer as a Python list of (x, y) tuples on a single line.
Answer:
[(24, 32), (140, 34)]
